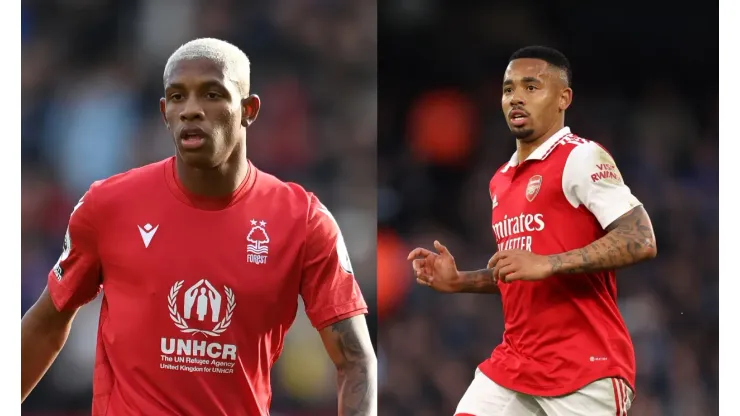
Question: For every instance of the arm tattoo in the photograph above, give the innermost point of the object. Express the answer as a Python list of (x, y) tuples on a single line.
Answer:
[(348, 343), (479, 281), (629, 240)]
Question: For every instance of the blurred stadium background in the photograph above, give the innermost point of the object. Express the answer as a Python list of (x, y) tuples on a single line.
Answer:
[(645, 85), (92, 74)]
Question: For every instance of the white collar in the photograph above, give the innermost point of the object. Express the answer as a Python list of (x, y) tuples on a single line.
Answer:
[(542, 151)]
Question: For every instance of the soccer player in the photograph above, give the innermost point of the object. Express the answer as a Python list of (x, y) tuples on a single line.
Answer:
[(563, 220), (201, 258)]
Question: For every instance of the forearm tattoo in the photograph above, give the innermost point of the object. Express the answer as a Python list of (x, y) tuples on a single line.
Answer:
[(629, 240), (357, 373), (478, 281)]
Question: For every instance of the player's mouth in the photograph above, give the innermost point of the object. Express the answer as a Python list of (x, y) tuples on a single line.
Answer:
[(192, 138), (518, 118)]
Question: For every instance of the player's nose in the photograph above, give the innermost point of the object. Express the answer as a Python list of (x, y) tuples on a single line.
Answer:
[(192, 110), (517, 101)]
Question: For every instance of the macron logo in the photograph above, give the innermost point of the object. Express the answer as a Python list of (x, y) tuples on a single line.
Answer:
[(147, 233)]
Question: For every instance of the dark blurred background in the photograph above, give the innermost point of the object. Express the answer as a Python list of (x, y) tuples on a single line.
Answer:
[(645, 85), (92, 78)]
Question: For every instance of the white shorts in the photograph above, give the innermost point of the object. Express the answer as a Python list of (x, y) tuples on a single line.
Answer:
[(605, 397)]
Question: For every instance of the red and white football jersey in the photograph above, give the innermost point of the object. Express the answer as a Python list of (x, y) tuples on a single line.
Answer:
[(564, 332), (198, 293)]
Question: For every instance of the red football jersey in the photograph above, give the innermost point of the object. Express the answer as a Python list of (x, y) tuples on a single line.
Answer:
[(566, 331), (198, 293)]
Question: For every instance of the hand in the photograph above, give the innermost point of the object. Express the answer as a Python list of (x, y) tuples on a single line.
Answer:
[(511, 265), (437, 271)]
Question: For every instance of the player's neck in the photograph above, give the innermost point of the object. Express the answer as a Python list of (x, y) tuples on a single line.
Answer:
[(216, 182), (525, 148)]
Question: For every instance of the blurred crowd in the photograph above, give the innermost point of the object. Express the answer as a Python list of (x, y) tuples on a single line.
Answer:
[(442, 135), (92, 79)]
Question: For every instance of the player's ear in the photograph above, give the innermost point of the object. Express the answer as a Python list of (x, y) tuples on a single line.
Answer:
[(163, 110), (250, 109), (566, 97)]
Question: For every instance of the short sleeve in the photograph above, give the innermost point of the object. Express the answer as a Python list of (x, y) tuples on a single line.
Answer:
[(76, 277), (328, 286), (591, 178)]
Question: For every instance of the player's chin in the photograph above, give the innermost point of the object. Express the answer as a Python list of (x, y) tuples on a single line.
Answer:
[(521, 132), (198, 158)]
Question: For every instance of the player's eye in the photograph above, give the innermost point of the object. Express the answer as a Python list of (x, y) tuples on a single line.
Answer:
[(212, 95), (176, 97), (531, 88), (507, 90)]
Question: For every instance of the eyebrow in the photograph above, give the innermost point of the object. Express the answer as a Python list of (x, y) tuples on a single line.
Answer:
[(509, 81), (181, 86)]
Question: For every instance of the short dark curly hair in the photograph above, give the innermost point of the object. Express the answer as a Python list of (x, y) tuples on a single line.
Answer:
[(550, 55)]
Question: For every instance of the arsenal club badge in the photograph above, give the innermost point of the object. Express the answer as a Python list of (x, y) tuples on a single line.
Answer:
[(533, 187)]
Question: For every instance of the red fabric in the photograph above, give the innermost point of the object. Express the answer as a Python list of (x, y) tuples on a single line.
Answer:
[(566, 331), (193, 323)]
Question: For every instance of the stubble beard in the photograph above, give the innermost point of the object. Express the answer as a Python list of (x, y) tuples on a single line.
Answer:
[(523, 134)]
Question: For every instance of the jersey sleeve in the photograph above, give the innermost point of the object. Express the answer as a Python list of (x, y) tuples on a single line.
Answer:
[(591, 178), (328, 286), (75, 279)]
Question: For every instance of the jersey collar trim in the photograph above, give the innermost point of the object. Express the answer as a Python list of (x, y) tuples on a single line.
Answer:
[(543, 150), (204, 203)]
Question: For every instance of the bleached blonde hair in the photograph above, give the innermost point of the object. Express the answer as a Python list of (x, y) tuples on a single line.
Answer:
[(233, 60)]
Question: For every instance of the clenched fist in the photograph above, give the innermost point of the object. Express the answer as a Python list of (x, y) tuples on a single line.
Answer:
[(511, 265)]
